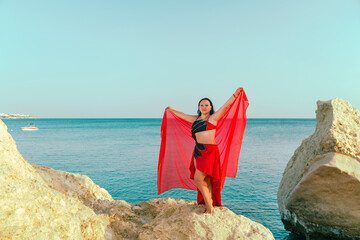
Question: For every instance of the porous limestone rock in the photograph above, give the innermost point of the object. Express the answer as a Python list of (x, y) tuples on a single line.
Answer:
[(43, 203), (77, 186), (180, 219), (319, 194)]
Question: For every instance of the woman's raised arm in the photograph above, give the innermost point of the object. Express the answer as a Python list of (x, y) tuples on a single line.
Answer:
[(218, 114), (182, 115)]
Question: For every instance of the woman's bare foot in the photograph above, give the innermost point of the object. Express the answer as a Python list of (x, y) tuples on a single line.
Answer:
[(210, 210)]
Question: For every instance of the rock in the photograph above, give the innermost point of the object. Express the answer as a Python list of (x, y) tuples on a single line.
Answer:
[(43, 203), (319, 194), (180, 219), (77, 186)]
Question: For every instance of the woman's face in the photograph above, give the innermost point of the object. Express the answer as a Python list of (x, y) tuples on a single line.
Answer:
[(205, 107)]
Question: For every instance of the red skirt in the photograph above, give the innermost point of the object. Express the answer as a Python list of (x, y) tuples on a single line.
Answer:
[(209, 163)]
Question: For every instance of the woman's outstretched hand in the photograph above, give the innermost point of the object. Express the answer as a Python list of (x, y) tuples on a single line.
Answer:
[(237, 92), (169, 108)]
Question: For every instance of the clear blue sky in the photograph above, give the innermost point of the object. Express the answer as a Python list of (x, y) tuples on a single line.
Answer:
[(134, 58)]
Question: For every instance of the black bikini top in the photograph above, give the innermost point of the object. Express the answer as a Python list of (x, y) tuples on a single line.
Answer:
[(200, 126)]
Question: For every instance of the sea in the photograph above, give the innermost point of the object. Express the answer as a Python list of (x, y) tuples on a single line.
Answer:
[(121, 155)]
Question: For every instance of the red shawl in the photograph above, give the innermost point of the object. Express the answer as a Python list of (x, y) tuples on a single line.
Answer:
[(177, 146)]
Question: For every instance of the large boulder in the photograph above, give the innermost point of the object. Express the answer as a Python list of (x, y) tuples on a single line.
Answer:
[(180, 219), (319, 194), (43, 203)]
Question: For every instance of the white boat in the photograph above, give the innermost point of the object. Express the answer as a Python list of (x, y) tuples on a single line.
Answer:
[(30, 127)]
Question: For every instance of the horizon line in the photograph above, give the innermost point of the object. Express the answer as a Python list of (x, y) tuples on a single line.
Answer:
[(132, 118)]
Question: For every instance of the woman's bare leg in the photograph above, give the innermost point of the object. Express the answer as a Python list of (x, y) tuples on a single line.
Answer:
[(208, 181), (203, 187)]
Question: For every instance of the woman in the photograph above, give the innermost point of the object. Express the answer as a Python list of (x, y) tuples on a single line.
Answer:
[(205, 167)]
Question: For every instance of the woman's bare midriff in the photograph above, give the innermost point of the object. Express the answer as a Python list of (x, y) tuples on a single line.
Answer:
[(206, 137)]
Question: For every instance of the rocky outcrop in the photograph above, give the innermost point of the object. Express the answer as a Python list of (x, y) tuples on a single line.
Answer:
[(42, 203), (179, 219), (319, 194)]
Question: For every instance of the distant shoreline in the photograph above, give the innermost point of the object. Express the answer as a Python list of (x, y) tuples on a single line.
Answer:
[(16, 116)]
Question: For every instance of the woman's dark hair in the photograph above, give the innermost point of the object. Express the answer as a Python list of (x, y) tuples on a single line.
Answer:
[(212, 107)]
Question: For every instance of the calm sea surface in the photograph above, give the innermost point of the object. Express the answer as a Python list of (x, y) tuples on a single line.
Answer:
[(121, 155)]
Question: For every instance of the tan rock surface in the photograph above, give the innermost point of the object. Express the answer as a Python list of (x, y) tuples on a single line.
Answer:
[(77, 186), (319, 194), (42, 203), (179, 219)]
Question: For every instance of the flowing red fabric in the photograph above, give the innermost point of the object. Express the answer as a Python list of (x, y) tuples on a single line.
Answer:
[(177, 146)]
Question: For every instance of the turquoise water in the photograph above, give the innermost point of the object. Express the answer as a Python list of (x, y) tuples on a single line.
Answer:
[(121, 155)]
